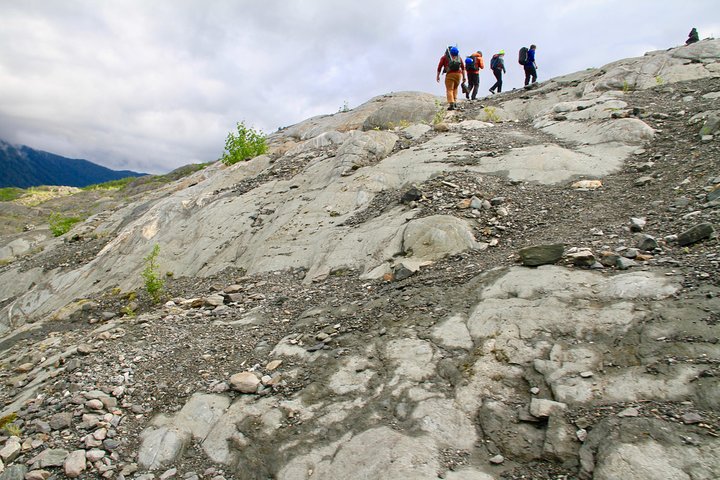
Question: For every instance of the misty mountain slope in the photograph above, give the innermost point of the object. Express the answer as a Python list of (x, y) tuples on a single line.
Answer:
[(351, 303), (25, 167)]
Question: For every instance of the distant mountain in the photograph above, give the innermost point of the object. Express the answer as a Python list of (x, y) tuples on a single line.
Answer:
[(23, 167)]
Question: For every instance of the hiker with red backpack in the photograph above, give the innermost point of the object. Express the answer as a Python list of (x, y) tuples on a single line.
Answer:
[(454, 69), (497, 65), (473, 64), (527, 60)]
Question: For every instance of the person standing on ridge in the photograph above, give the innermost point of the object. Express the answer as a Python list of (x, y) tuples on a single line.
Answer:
[(693, 37), (454, 69), (473, 64), (530, 66), (497, 65)]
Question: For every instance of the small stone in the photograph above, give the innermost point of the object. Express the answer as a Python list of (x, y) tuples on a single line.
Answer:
[(94, 404), (646, 242), (691, 418), (11, 450), (629, 412), (52, 457), (37, 475), (541, 407), (168, 474), (94, 455), (642, 181), (581, 434), (110, 444), (637, 224), (273, 365), (623, 263), (24, 368), (534, 390), (85, 349), (497, 459), (214, 300), (587, 374), (129, 469), (61, 420), (244, 382), (587, 184), (75, 463)]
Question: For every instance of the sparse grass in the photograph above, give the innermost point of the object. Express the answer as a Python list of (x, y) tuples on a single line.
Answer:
[(345, 107), (439, 113), (8, 427), (491, 114), (111, 185), (60, 225)]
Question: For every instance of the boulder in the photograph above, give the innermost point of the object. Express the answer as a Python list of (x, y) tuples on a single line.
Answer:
[(435, 237), (402, 109), (695, 234), (541, 254)]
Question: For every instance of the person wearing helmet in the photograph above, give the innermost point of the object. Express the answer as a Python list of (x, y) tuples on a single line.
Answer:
[(473, 64), (454, 69), (497, 65)]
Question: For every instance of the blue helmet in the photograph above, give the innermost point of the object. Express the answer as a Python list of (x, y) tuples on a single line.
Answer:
[(469, 61), (454, 51)]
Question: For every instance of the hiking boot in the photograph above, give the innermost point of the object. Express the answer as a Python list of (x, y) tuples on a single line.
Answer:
[(492, 91), (451, 106)]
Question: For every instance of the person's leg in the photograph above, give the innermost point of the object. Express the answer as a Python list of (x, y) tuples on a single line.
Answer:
[(528, 72), (456, 79), (534, 75), (448, 89), (499, 81), (474, 79)]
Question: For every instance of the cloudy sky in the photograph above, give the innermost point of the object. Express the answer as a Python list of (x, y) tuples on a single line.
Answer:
[(151, 85)]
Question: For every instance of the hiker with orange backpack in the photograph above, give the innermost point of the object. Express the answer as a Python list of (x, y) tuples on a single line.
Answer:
[(497, 65), (454, 69), (473, 64)]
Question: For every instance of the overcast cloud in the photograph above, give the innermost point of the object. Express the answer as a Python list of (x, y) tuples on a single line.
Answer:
[(151, 85)]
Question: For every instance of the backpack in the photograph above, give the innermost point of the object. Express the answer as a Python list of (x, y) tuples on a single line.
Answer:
[(454, 64), (470, 65), (522, 56), (494, 62)]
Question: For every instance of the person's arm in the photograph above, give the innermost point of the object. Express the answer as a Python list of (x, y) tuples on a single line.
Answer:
[(439, 68)]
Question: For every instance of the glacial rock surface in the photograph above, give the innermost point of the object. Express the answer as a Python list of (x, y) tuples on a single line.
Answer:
[(354, 303)]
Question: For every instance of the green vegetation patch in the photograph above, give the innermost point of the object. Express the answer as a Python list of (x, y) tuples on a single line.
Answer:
[(60, 225), (154, 284), (8, 194), (243, 145), (112, 184)]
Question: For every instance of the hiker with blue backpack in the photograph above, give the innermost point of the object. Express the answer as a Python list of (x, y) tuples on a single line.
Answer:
[(497, 65), (454, 69), (527, 60)]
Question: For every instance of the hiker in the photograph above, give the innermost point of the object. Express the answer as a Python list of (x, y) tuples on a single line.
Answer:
[(473, 64), (497, 65), (693, 37), (454, 69), (530, 66)]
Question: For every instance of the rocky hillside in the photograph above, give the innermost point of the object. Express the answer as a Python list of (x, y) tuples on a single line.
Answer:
[(523, 288)]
